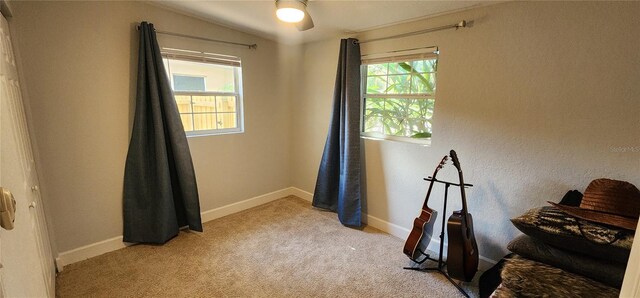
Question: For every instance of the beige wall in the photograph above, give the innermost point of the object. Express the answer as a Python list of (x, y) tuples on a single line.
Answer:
[(78, 67), (537, 98)]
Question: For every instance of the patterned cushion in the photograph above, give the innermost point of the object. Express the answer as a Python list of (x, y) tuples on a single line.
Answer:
[(554, 227)]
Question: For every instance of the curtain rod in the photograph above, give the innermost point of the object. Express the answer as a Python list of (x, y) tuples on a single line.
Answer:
[(460, 24), (250, 46), (435, 51)]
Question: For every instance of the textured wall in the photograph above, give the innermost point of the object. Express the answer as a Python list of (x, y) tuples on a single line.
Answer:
[(79, 68), (537, 98)]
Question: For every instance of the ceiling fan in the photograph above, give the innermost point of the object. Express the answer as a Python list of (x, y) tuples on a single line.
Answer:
[(294, 11)]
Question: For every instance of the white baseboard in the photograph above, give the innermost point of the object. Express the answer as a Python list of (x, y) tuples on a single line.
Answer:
[(301, 194), (89, 251), (115, 243), (434, 245), (246, 204), (387, 227), (397, 231)]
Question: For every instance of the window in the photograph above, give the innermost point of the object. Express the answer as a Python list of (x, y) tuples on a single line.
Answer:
[(188, 83), (399, 96), (207, 89)]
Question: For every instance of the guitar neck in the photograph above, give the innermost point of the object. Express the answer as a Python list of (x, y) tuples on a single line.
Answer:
[(456, 163), (462, 193)]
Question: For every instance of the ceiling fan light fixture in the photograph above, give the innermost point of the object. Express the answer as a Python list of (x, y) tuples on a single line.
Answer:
[(290, 11)]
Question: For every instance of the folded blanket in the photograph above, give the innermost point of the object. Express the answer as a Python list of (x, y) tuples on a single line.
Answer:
[(609, 273), (526, 278)]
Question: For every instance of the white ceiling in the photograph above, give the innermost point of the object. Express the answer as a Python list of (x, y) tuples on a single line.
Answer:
[(331, 18)]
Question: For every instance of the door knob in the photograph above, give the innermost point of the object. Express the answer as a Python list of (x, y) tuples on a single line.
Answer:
[(35, 188), (7, 209)]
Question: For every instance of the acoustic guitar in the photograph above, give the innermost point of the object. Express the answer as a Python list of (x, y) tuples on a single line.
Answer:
[(422, 230), (462, 252)]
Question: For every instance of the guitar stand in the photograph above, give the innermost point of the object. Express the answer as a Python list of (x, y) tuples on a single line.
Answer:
[(441, 263)]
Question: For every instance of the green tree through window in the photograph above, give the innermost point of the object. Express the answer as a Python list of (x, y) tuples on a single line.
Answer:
[(399, 98)]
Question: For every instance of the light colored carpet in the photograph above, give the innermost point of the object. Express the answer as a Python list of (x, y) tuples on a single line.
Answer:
[(283, 248)]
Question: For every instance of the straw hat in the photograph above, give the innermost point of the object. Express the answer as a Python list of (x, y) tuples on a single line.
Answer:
[(606, 201)]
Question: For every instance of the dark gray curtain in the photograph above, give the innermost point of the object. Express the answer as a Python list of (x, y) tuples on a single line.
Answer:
[(338, 183), (160, 191)]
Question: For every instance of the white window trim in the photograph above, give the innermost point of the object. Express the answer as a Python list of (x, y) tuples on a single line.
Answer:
[(382, 137), (238, 94), (363, 85)]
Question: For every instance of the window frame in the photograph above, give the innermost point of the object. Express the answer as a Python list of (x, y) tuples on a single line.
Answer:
[(237, 94), (363, 95)]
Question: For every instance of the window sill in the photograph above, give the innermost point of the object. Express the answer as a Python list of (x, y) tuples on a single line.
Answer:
[(191, 134), (420, 142)]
